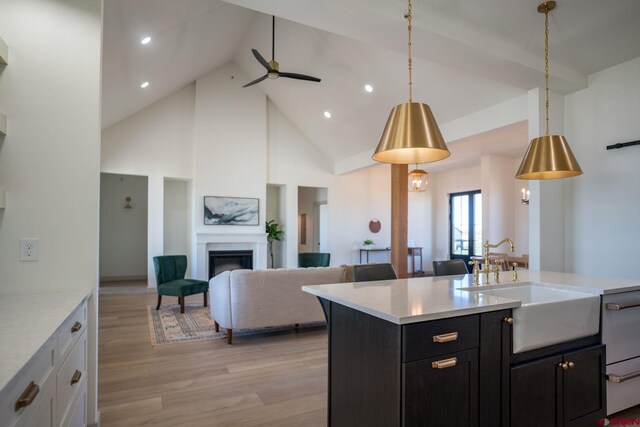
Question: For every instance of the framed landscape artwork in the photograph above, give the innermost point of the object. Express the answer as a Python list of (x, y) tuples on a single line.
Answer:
[(231, 210)]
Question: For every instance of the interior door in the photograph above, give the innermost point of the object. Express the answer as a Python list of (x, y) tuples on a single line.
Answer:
[(465, 225)]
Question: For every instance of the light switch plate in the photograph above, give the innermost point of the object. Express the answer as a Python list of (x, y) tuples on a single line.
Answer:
[(29, 249)]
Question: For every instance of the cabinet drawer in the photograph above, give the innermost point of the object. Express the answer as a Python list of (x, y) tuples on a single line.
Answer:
[(430, 339), (70, 376), (71, 329), (77, 416), (625, 393), (621, 325), (39, 370), (442, 391), (44, 411)]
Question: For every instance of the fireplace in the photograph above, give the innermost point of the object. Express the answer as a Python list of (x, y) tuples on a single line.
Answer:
[(220, 261)]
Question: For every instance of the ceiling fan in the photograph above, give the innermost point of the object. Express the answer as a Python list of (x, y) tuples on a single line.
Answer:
[(273, 67)]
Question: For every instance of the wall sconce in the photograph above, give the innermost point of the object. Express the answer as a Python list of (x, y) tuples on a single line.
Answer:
[(127, 203), (525, 197)]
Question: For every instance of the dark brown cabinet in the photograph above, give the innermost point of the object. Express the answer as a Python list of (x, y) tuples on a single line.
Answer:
[(456, 372), (564, 391), (442, 390)]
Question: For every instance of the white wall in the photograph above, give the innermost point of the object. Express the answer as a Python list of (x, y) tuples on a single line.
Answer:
[(498, 215), (230, 135), (602, 206), (156, 142), (521, 213), (274, 207), (353, 199), (49, 161), (177, 230), (123, 232)]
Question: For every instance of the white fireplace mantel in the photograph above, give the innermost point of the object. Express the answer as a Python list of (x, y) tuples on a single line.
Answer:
[(205, 242)]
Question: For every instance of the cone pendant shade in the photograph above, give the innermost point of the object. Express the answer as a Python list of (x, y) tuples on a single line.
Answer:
[(411, 136), (548, 157)]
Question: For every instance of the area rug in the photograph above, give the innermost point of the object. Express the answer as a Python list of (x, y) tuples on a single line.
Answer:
[(169, 326)]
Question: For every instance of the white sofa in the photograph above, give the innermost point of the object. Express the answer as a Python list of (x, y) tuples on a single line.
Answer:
[(246, 299)]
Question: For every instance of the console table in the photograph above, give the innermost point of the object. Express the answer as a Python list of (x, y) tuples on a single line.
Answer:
[(366, 251), (413, 253)]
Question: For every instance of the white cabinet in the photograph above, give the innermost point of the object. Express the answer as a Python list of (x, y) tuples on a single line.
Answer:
[(51, 389), (621, 334)]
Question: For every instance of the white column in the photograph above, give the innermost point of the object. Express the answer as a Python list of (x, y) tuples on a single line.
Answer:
[(155, 226), (546, 205)]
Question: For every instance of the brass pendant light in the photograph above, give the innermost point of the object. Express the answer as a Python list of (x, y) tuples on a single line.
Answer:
[(548, 156), (418, 180), (411, 134)]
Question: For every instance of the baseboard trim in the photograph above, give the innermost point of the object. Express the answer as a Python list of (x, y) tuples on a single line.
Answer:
[(122, 278)]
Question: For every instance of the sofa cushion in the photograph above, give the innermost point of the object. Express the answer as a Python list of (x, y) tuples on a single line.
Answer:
[(260, 298)]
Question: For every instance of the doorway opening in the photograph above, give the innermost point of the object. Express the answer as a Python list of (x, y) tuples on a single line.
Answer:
[(465, 225), (123, 227), (313, 219)]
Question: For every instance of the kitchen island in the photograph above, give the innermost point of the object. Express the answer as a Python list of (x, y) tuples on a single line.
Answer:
[(424, 351)]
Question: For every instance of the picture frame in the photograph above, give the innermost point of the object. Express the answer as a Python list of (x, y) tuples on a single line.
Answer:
[(220, 210)]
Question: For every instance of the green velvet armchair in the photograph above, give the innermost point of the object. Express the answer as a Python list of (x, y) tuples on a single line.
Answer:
[(314, 259), (170, 271)]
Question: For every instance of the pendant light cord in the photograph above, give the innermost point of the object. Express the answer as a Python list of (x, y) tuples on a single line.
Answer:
[(410, 63), (546, 64), (273, 38)]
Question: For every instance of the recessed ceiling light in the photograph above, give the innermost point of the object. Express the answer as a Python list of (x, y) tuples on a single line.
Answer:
[(145, 40), (145, 84), (368, 88), (327, 114)]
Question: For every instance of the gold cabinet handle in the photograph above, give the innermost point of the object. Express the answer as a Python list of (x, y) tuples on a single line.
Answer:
[(452, 336), (76, 327), (446, 363), (566, 365), (27, 396), (571, 365), (508, 320), (76, 377)]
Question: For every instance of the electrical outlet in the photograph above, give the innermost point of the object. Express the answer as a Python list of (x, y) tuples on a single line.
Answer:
[(29, 249)]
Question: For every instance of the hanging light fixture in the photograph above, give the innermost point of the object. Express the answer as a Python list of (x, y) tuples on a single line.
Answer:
[(411, 134), (548, 156), (418, 180)]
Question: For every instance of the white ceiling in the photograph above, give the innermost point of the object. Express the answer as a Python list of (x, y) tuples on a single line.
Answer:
[(468, 55)]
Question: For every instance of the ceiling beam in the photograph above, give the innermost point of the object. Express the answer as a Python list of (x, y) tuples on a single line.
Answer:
[(435, 38)]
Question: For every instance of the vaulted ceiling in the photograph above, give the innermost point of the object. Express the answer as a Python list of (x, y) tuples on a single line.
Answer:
[(468, 55)]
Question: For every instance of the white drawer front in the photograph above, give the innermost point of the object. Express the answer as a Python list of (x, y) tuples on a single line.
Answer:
[(625, 394), (621, 327), (74, 368), (71, 329), (39, 370), (44, 412), (77, 416)]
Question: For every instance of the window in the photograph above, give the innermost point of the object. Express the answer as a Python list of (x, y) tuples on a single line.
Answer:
[(465, 225)]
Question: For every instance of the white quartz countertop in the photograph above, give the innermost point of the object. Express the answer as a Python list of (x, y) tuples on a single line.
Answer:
[(27, 320), (420, 299)]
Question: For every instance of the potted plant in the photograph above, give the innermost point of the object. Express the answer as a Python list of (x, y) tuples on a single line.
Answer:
[(274, 233), (367, 243)]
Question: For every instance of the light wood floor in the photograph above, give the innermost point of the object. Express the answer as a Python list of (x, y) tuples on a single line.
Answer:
[(268, 380)]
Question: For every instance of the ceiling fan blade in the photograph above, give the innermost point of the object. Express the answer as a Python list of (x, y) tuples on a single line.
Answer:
[(261, 60), (299, 77), (258, 80)]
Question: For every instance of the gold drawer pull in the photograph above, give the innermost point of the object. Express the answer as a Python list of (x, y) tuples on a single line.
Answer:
[(76, 327), (76, 377), (446, 363), (452, 336), (27, 396)]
